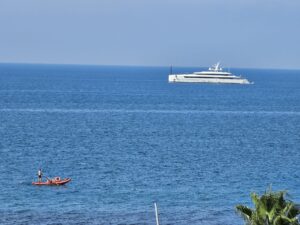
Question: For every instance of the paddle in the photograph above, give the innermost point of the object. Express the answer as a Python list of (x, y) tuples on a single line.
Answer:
[(50, 181)]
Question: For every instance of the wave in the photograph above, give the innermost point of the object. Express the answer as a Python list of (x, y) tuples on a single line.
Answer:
[(152, 111)]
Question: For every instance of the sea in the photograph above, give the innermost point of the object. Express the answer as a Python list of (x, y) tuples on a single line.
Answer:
[(129, 139)]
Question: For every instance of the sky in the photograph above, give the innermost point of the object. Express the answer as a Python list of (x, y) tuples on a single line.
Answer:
[(239, 33)]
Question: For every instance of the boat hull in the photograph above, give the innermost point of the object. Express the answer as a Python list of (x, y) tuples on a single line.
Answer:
[(52, 183), (173, 78)]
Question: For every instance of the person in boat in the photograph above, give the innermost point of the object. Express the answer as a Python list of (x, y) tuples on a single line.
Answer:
[(40, 174)]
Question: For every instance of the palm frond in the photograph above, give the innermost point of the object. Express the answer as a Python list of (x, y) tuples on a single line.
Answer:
[(244, 211), (270, 209)]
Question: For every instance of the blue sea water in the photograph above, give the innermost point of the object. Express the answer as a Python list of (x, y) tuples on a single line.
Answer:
[(128, 138)]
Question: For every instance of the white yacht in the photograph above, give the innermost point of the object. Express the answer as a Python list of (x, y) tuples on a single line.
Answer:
[(215, 74)]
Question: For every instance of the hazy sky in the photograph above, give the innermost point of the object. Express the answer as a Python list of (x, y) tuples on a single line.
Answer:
[(239, 33)]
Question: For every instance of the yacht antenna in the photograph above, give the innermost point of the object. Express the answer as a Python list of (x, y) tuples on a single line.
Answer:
[(171, 68)]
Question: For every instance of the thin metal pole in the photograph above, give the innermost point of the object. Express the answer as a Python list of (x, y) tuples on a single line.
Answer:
[(156, 213)]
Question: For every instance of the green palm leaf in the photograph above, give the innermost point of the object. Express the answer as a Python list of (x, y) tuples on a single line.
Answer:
[(270, 209)]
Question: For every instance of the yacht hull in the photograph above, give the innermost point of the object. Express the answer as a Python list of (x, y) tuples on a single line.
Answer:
[(173, 78)]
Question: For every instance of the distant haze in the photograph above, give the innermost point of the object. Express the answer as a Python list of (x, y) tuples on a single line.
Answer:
[(239, 33)]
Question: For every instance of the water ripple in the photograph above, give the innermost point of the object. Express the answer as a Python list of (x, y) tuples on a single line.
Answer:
[(154, 111)]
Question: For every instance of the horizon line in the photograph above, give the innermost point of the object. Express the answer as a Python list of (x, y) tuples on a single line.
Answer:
[(132, 65)]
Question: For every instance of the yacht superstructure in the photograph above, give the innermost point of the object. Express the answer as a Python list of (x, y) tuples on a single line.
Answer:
[(215, 74)]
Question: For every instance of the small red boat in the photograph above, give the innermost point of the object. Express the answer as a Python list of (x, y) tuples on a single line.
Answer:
[(54, 181)]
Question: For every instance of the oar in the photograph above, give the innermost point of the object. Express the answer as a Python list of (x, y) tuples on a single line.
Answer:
[(50, 181)]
